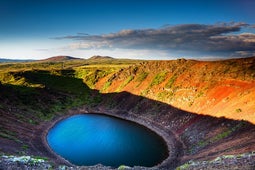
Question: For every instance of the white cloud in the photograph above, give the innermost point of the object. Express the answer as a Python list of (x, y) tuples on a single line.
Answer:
[(221, 39)]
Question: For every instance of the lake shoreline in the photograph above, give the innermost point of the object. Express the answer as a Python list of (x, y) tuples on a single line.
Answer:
[(169, 138)]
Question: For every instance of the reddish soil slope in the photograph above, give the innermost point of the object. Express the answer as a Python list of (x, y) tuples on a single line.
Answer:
[(219, 88)]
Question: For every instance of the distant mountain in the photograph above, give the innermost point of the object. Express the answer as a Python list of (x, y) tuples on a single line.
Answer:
[(60, 58), (4, 60), (98, 57)]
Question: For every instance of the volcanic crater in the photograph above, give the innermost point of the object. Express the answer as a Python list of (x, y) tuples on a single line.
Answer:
[(203, 110)]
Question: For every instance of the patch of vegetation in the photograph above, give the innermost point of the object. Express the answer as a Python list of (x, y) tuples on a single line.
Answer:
[(184, 166), (200, 94), (106, 85), (165, 95), (221, 135), (159, 78), (171, 81), (31, 121), (59, 83), (141, 77), (32, 161), (217, 137), (238, 110), (91, 75), (216, 163), (191, 103), (92, 78), (25, 147), (128, 80), (144, 92), (9, 135), (41, 157), (96, 99)]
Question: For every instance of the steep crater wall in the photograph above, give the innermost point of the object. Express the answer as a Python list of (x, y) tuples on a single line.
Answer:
[(218, 88)]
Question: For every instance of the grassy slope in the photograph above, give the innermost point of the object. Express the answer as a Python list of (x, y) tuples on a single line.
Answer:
[(66, 84)]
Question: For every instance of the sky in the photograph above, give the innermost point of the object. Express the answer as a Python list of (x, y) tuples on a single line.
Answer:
[(143, 29)]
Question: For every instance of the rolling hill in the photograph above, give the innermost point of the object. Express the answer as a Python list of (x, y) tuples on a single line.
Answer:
[(59, 58)]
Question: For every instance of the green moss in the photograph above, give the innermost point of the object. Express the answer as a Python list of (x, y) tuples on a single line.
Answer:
[(106, 85), (171, 81), (91, 76), (184, 166), (128, 80), (9, 135), (31, 121), (144, 92), (40, 157), (25, 147), (165, 95), (217, 137), (159, 78), (141, 77), (221, 135)]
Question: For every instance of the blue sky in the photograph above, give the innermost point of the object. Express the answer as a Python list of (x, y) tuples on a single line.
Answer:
[(147, 29)]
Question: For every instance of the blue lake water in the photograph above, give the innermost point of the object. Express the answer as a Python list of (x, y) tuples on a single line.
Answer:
[(90, 139)]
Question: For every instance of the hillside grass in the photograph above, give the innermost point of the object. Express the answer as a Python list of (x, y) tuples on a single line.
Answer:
[(43, 94), (49, 88), (159, 78)]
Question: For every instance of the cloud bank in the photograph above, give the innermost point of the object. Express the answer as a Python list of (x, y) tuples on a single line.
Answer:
[(221, 40)]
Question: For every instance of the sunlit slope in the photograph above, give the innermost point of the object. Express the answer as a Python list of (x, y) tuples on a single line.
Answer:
[(216, 88)]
